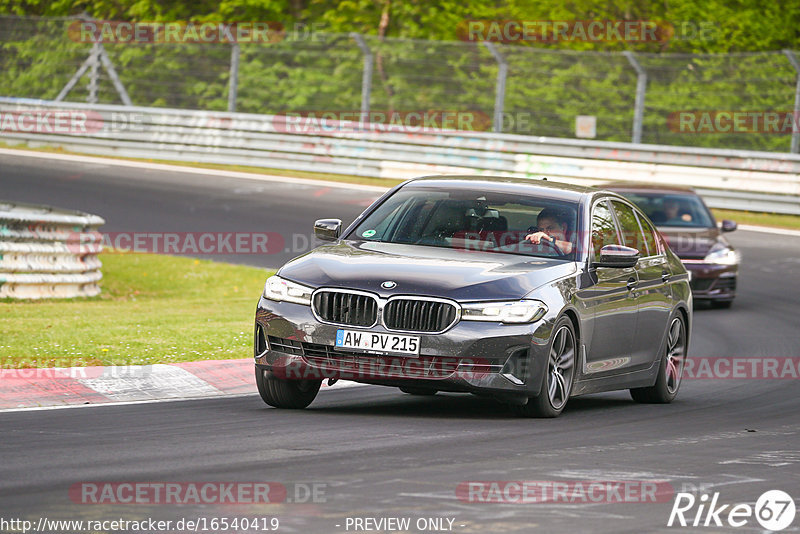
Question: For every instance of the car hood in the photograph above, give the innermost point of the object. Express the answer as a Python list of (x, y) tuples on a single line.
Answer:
[(419, 270), (692, 243)]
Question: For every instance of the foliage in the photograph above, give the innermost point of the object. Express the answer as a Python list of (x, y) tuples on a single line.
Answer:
[(723, 55)]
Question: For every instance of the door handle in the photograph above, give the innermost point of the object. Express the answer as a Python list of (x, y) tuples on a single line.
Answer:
[(665, 276), (631, 285)]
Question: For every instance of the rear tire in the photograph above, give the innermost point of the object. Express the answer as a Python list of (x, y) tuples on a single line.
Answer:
[(289, 394), (559, 377), (418, 391), (670, 371)]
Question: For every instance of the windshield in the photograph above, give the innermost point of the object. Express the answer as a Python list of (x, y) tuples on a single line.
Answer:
[(678, 210), (472, 220)]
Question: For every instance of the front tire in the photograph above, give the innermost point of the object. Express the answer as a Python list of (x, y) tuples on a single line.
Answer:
[(670, 371), (289, 394), (560, 374)]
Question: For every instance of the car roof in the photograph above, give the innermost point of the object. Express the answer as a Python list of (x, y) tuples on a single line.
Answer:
[(646, 187), (526, 186)]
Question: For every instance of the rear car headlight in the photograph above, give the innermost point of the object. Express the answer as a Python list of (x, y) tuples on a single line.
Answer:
[(723, 256), (282, 290), (516, 311)]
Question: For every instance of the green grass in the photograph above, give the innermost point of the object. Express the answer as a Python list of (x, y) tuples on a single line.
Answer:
[(153, 309), (759, 219)]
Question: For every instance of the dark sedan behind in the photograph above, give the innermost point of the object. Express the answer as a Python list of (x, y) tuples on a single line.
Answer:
[(693, 234)]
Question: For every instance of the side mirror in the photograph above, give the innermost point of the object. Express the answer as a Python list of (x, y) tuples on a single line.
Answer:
[(617, 256), (328, 229), (727, 226)]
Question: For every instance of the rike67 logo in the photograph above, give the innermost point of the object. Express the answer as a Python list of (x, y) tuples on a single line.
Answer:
[(774, 510)]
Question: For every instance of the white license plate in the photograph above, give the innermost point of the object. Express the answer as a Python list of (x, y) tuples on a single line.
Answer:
[(377, 342)]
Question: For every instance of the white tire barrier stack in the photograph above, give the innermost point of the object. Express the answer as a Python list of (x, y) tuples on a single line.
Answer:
[(48, 253)]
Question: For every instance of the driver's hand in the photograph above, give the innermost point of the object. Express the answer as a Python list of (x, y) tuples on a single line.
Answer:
[(536, 237)]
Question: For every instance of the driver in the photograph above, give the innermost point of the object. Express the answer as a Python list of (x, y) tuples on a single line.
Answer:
[(673, 212), (551, 225)]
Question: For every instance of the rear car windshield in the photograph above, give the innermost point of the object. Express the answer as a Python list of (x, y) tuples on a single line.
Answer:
[(472, 220)]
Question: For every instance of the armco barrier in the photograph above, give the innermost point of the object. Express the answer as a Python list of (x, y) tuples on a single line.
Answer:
[(760, 181), (42, 255)]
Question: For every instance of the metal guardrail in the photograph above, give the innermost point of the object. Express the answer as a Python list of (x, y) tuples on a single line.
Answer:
[(763, 181), (43, 253)]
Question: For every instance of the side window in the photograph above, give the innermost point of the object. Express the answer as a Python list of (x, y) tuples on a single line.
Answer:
[(631, 232), (604, 232), (649, 235)]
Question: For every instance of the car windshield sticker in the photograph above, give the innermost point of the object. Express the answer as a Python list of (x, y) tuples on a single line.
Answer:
[(368, 233)]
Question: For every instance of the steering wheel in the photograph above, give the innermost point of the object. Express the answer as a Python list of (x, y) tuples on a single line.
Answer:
[(437, 237), (551, 241), (553, 244)]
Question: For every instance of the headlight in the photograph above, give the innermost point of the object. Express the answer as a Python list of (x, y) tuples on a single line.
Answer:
[(723, 256), (282, 290), (517, 311)]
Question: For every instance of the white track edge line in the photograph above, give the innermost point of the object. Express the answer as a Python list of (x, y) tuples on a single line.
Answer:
[(190, 170), (769, 230), (341, 385)]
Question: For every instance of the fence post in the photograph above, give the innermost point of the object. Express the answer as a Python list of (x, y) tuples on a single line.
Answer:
[(94, 65), (77, 76), (795, 148), (96, 56), (366, 78), (500, 86), (233, 82), (641, 88), (112, 73)]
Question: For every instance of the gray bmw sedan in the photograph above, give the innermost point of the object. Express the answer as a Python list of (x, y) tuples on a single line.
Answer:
[(526, 291)]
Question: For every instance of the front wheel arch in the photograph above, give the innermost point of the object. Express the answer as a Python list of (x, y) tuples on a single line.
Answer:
[(555, 389)]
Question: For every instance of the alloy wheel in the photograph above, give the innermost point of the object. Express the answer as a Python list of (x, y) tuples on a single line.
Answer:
[(676, 353), (561, 367)]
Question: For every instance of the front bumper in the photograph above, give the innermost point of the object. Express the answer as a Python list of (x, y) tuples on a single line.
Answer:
[(712, 281), (506, 360)]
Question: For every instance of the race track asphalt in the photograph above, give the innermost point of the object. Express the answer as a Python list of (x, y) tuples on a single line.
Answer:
[(375, 452)]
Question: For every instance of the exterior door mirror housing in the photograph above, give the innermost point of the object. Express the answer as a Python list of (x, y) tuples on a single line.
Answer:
[(328, 229), (617, 256), (727, 226)]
